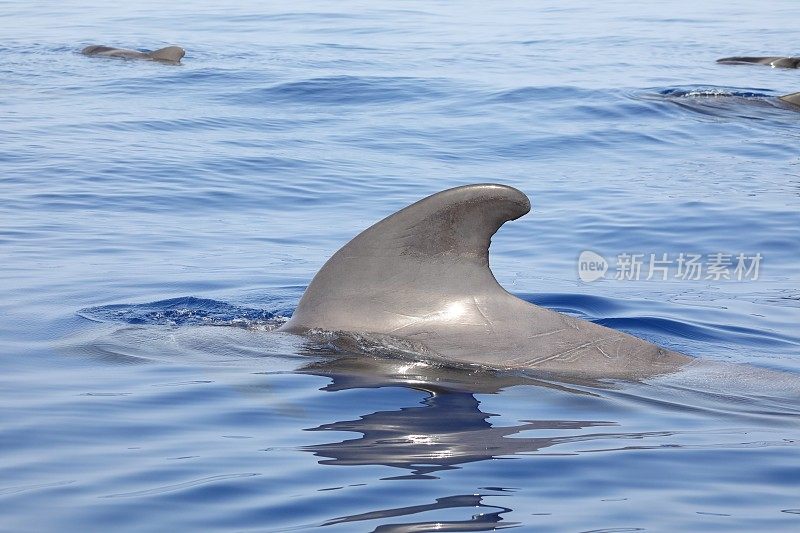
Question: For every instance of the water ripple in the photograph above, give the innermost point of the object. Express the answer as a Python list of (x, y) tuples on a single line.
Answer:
[(344, 90), (183, 311), (179, 486)]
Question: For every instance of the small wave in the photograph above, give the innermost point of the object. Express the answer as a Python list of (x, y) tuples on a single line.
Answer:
[(344, 90), (649, 326), (585, 305), (181, 312), (755, 105), (712, 92), (175, 79), (180, 486), (538, 94)]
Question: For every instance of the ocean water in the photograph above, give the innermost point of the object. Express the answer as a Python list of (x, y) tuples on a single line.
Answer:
[(158, 221)]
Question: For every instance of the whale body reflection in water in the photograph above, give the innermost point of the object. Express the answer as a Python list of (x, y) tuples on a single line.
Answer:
[(448, 428), (443, 417)]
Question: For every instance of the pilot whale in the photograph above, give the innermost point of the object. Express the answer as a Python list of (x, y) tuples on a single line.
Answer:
[(772, 61), (420, 278), (170, 54)]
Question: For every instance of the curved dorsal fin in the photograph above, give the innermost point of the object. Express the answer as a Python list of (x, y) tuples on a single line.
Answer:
[(436, 247), (422, 275), (170, 53), (455, 222)]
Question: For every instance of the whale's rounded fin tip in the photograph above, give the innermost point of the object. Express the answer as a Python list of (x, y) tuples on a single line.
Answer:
[(457, 221), (170, 53), (438, 245)]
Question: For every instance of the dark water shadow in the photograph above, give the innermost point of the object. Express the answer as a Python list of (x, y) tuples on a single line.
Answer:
[(448, 427), (482, 521)]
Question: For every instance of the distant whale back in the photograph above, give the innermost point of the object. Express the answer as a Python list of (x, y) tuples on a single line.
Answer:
[(773, 61), (171, 54)]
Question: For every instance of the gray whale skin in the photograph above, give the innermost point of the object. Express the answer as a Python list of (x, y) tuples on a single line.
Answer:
[(170, 54), (793, 99), (422, 276), (772, 61)]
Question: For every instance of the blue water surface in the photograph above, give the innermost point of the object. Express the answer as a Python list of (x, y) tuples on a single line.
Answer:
[(158, 222)]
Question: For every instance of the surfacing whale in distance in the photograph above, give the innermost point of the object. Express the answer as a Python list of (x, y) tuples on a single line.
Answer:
[(420, 279), (772, 61), (170, 54)]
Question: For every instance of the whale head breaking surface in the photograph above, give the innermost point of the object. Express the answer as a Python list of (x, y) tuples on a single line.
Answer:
[(422, 276), (170, 54)]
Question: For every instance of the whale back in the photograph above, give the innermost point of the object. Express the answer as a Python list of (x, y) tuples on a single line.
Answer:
[(786, 62), (793, 99), (170, 53), (422, 275), (773, 61), (95, 49)]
